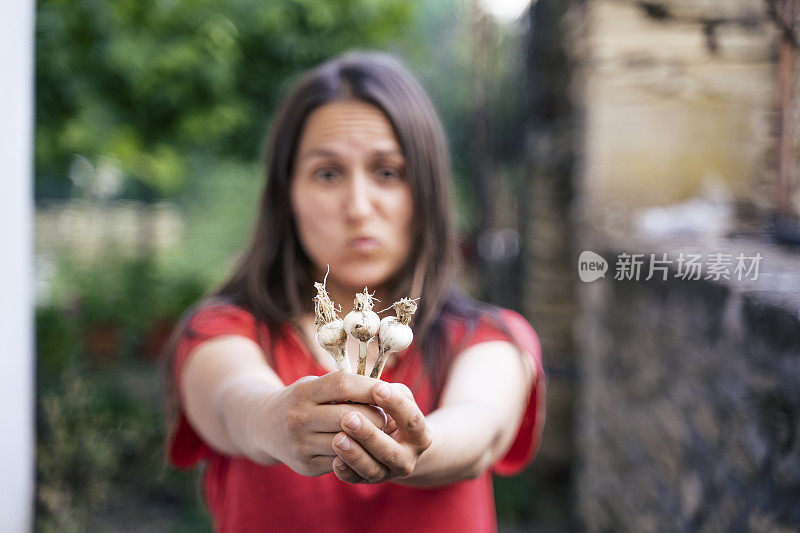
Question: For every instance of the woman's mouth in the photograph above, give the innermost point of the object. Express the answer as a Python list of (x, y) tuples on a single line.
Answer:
[(363, 244)]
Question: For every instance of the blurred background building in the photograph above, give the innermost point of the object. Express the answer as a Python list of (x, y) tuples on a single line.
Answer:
[(688, 405), (616, 126)]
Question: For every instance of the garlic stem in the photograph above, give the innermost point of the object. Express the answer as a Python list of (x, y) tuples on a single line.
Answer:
[(377, 369), (362, 358)]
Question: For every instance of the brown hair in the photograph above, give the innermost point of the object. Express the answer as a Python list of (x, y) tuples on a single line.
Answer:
[(272, 277)]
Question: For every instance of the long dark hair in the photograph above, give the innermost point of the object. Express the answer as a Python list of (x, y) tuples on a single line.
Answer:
[(272, 278)]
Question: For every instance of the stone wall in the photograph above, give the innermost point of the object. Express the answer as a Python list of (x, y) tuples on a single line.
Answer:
[(678, 94), (689, 413)]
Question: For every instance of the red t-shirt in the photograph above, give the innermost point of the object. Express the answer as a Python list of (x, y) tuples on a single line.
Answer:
[(244, 496)]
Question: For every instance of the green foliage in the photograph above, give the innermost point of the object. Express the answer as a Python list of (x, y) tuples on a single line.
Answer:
[(220, 204), (125, 296), (100, 445), (151, 83), (99, 401), (540, 498)]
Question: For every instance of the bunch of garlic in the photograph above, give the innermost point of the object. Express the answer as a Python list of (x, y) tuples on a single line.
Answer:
[(363, 324)]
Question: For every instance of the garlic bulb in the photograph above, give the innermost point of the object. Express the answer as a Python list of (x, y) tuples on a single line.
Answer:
[(331, 334), (362, 324), (333, 338), (394, 333)]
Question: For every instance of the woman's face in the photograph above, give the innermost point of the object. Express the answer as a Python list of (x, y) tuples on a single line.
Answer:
[(350, 197)]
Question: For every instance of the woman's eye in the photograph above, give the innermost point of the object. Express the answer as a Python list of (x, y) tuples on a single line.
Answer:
[(326, 174), (389, 173)]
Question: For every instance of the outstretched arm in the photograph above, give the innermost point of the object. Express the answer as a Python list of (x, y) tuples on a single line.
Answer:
[(223, 386)]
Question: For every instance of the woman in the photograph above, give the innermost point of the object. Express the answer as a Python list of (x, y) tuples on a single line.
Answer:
[(358, 179)]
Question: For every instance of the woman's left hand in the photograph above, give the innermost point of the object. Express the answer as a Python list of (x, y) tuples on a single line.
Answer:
[(367, 454)]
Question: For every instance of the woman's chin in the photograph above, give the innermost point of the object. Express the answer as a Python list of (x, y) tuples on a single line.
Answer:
[(359, 276)]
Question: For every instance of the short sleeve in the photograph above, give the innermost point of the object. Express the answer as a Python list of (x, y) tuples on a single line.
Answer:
[(529, 435), (186, 448)]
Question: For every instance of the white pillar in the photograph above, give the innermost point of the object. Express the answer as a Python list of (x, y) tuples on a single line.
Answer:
[(16, 296)]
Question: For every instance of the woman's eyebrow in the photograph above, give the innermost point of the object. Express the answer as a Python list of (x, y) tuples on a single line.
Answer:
[(317, 152), (320, 152), (385, 153)]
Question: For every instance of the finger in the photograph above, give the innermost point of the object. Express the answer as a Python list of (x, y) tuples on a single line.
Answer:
[(391, 425), (351, 452), (316, 445), (328, 418), (341, 387), (406, 414), (313, 466), (404, 389), (379, 445), (345, 473), (305, 379)]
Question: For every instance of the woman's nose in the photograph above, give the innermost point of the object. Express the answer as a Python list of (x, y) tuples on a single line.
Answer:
[(359, 201)]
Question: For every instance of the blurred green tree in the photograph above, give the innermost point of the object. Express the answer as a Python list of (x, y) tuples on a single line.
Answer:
[(148, 84)]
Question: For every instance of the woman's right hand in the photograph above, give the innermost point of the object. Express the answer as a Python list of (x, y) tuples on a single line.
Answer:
[(306, 415)]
